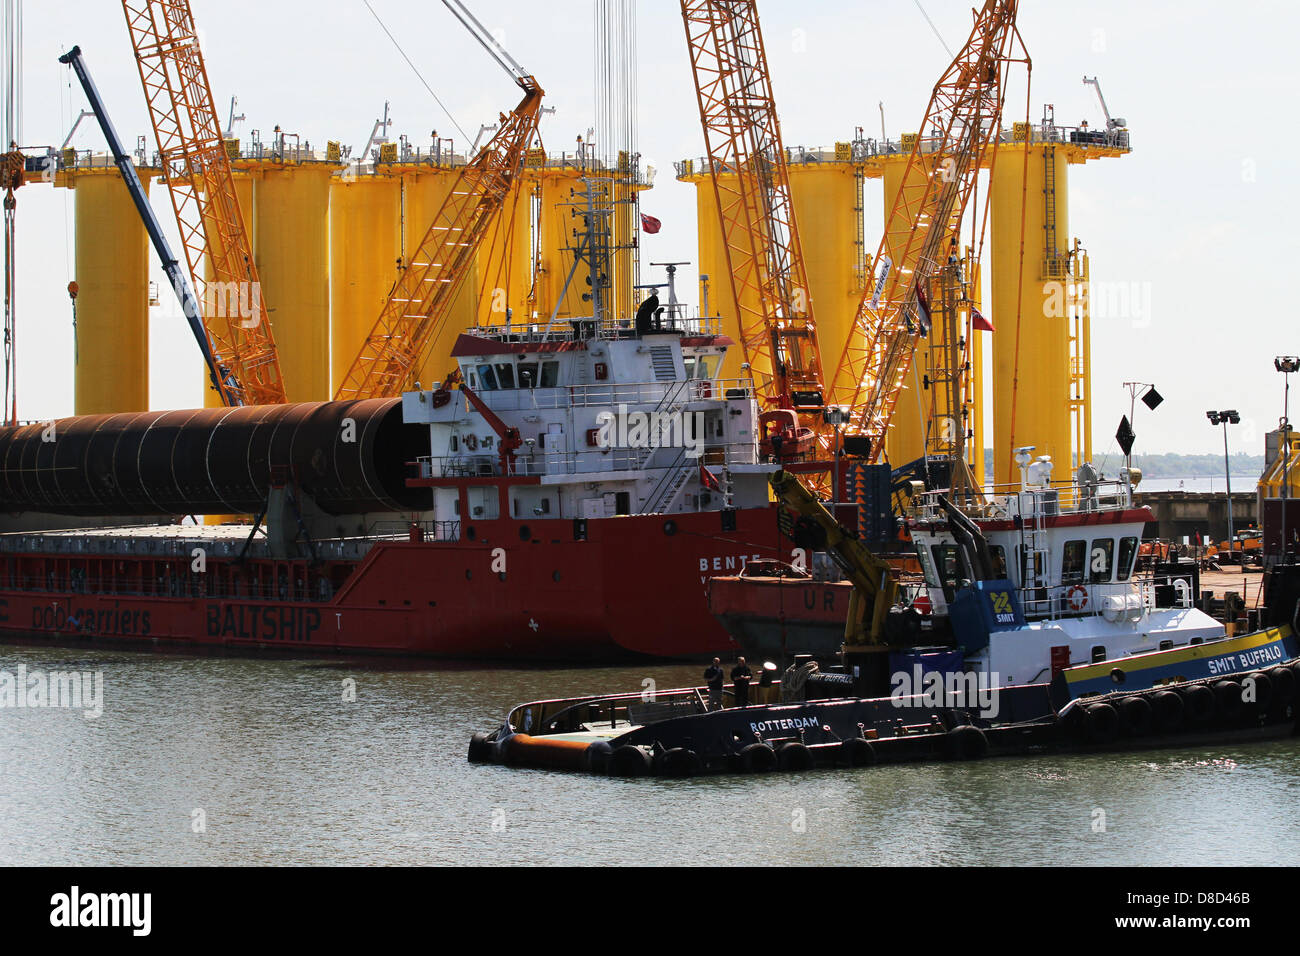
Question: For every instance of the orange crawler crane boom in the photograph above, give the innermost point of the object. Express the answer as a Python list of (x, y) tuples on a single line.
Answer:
[(194, 160), (961, 122), (747, 166), (427, 287)]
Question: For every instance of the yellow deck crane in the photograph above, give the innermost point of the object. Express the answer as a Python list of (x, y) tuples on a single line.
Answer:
[(808, 523), (194, 161), (426, 290), (961, 124), (760, 237)]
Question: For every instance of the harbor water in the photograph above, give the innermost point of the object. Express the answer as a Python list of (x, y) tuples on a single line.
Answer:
[(219, 760)]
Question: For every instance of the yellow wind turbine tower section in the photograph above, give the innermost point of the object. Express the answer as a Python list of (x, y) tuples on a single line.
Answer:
[(424, 188), (1031, 357), (504, 265), (827, 197), (365, 243), (826, 190), (112, 304), (291, 213), (560, 205)]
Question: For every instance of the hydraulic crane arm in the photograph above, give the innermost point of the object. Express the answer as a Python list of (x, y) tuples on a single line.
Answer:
[(420, 301), (175, 274), (874, 587), (961, 123), (508, 438), (202, 189)]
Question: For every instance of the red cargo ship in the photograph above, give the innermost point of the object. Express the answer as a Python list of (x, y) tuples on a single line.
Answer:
[(568, 498)]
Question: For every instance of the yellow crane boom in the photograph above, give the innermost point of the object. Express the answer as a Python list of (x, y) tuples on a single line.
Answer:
[(747, 167), (426, 289), (194, 161), (961, 123)]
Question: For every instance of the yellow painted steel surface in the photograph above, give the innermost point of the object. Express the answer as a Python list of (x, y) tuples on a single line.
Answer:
[(112, 271), (825, 207), (713, 263), (365, 242), (291, 212), (423, 191), (1036, 373), (558, 222), (504, 269)]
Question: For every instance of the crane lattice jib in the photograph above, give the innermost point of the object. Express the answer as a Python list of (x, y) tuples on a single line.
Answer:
[(426, 290), (963, 119), (747, 167), (202, 189)]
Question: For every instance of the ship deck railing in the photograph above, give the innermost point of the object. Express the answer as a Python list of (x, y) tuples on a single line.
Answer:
[(1054, 601), (1008, 501), (628, 710), (611, 395), (594, 462), (675, 319)]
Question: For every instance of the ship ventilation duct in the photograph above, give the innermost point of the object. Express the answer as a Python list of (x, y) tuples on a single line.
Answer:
[(348, 457)]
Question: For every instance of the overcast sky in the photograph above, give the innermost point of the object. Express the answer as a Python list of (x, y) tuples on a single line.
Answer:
[(1198, 221)]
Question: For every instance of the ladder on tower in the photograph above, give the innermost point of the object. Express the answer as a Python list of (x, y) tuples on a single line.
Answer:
[(1055, 265)]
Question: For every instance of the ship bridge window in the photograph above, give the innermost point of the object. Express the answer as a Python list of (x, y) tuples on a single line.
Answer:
[(1099, 565), (1072, 562), (550, 374), (506, 375), (1128, 549), (998, 555), (487, 377), (700, 366), (527, 374)]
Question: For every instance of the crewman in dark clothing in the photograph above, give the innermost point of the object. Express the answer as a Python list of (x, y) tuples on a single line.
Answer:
[(713, 678), (740, 678), (646, 319)]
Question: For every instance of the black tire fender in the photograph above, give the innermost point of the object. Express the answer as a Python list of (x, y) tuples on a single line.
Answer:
[(1167, 711), (966, 743), (1136, 715), (794, 756), (629, 761), (1102, 724), (1198, 704), (679, 762), (758, 758), (857, 752), (480, 749)]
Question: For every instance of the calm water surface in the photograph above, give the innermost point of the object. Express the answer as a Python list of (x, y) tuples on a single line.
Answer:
[(285, 771)]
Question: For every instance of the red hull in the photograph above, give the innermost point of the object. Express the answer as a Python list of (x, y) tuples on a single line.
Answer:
[(630, 588)]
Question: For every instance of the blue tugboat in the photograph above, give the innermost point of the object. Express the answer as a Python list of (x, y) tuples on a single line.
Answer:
[(994, 681)]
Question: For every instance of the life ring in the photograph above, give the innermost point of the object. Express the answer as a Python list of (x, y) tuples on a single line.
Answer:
[(1078, 597)]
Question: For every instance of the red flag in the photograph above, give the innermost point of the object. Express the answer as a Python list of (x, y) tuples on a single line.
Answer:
[(707, 479), (650, 224), (977, 321)]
